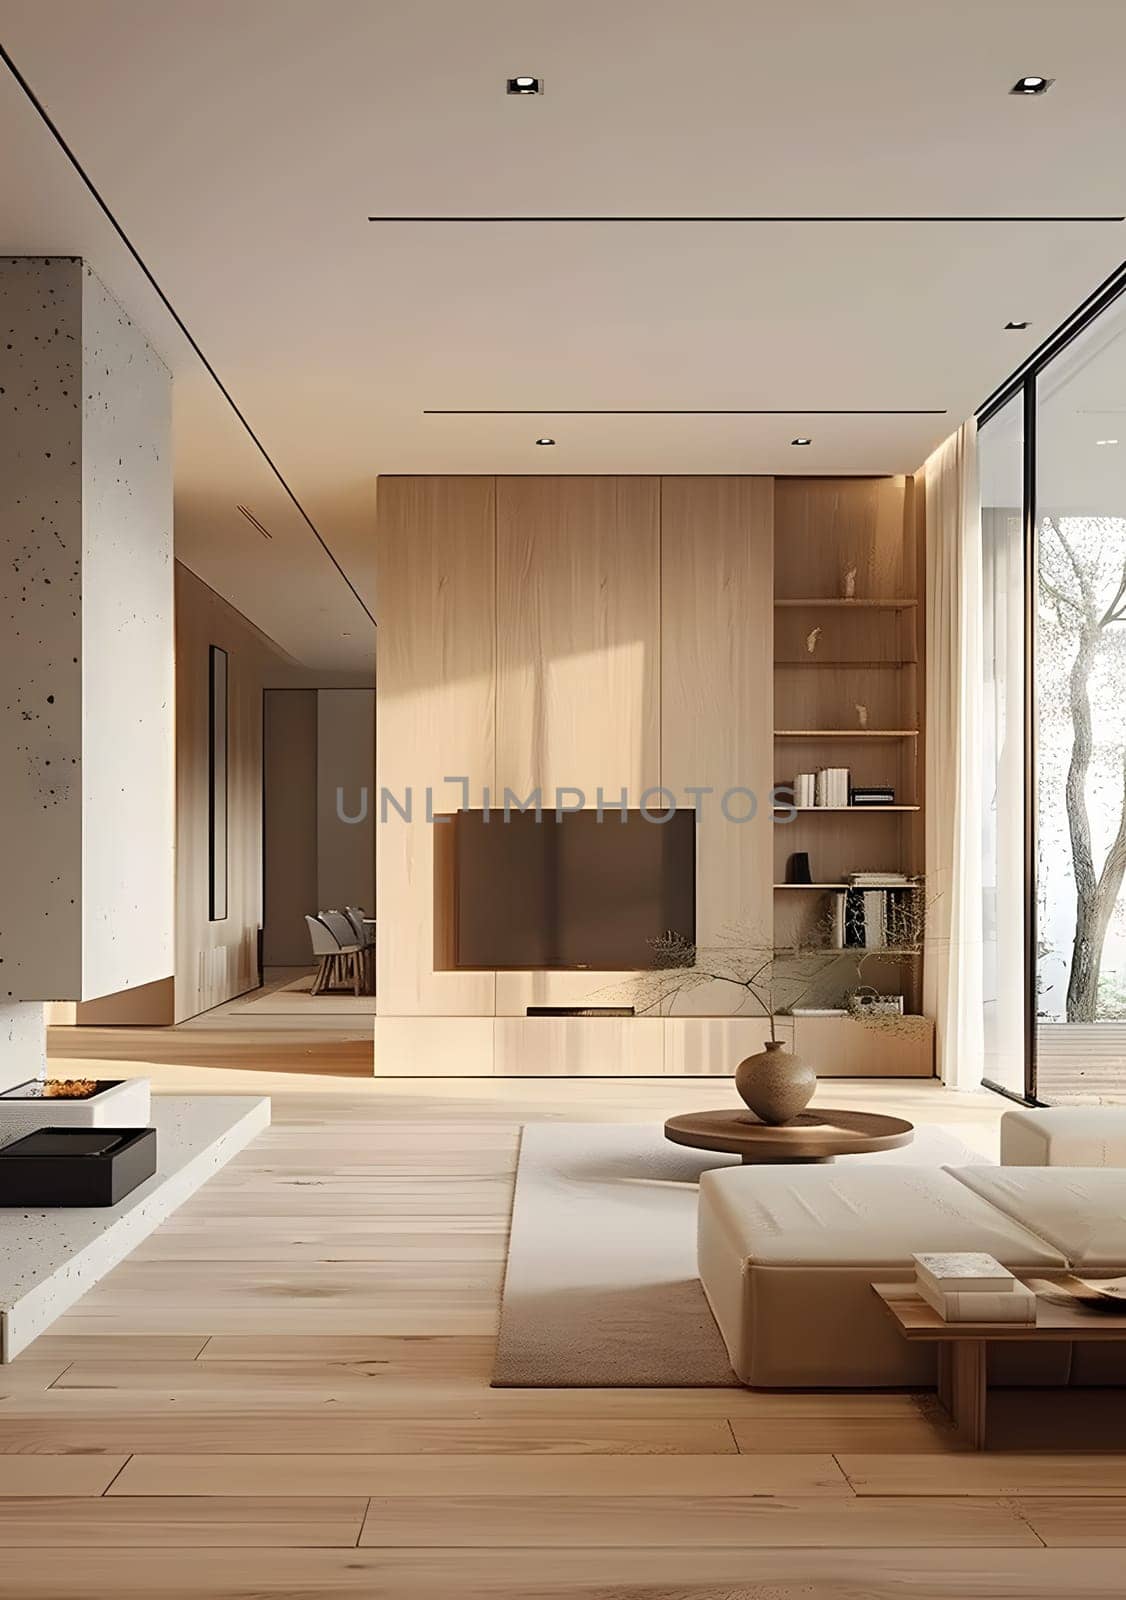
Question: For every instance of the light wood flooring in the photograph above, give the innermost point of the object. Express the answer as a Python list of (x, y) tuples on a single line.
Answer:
[(284, 1392)]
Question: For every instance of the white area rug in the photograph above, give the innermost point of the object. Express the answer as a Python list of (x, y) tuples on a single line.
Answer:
[(601, 1288)]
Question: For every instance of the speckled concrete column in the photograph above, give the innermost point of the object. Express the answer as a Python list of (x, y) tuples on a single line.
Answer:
[(86, 703), (23, 1043)]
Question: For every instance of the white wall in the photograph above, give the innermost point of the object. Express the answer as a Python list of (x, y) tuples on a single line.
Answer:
[(85, 641)]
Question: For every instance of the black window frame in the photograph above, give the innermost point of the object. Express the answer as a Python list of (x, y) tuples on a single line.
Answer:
[(1024, 382)]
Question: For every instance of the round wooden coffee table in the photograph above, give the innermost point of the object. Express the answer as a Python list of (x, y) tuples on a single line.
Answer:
[(813, 1136)]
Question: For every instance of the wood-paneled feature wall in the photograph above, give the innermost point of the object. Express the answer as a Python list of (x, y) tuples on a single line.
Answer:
[(584, 633)]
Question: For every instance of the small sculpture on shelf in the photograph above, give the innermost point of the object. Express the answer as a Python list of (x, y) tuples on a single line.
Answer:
[(798, 868)]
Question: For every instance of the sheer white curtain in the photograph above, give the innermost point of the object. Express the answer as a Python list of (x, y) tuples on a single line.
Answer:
[(953, 978)]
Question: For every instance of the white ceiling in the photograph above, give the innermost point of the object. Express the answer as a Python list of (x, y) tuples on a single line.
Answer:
[(242, 145)]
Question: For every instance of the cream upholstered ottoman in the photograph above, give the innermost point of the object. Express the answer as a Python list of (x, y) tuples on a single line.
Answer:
[(1064, 1136), (787, 1257)]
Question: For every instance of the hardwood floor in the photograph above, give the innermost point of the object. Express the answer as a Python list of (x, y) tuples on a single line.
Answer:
[(284, 1392)]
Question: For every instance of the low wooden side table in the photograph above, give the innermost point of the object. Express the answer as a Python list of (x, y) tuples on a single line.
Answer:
[(963, 1346)]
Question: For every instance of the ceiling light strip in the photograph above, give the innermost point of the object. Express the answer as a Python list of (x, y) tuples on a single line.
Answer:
[(175, 315), (680, 411), (763, 219)]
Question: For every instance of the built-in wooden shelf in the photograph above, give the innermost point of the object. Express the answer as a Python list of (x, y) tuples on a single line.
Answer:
[(808, 810), (848, 672), (847, 950), (850, 605), (860, 887), (836, 663), (846, 733)]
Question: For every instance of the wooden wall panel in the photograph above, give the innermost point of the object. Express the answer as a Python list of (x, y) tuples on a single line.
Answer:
[(215, 961), (717, 609), (578, 663), (575, 1047), (436, 691), (845, 1047), (578, 619), (714, 1046)]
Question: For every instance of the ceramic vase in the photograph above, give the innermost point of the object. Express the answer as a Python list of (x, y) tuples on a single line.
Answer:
[(775, 1084)]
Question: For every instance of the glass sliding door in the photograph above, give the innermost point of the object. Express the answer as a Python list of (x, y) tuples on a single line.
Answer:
[(1001, 465), (1080, 673)]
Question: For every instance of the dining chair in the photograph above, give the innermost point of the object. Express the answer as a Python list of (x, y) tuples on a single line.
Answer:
[(351, 948), (338, 959)]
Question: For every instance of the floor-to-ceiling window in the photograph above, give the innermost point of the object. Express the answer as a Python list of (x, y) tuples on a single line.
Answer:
[(1080, 669), (1053, 479)]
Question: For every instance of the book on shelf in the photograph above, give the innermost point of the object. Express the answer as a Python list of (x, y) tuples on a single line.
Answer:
[(879, 880), (838, 928), (831, 786), (974, 1305), (828, 786), (805, 789), (876, 917), (868, 794), (967, 1270)]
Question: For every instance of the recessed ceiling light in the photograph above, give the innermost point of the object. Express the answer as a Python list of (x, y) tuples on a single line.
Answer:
[(801, 441), (545, 441), (1106, 441), (1032, 85), (1016, 327), (525, 85)]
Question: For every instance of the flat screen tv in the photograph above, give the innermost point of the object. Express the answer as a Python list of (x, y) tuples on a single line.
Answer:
[(569, 891)]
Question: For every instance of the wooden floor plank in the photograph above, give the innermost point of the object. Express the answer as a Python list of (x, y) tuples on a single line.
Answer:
[(828, 1521), (443, 1477), (126, 1348), (652, 1573), (1076, 1522), (989, 1472), (30, 1374), (436, 1316), (292, 1241), (53, 1523), (300, 1385), (341, 1432), (57, 1475), (887, 1435), (422, 1353)]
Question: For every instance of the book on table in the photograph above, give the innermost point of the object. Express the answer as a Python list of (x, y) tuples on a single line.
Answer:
[(965, 1272), (974, 1305)]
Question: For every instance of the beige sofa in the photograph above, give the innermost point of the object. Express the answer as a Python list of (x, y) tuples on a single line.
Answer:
[(787, 1257)]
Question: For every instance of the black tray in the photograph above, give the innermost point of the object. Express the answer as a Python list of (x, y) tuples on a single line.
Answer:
[(75, 1166)]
